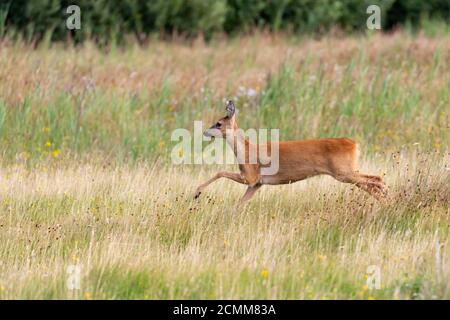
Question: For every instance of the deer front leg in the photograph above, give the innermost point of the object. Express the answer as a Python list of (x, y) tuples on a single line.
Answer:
[(251, 190), (223, 174)]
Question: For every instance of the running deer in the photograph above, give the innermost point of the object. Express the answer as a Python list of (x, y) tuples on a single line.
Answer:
[(297, 160)]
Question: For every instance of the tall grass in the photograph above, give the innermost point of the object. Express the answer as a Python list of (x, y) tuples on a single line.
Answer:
[(137, 233), (384, 91), (73, 119)]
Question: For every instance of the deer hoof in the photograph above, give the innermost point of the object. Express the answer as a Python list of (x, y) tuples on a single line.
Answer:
[(197, 194)]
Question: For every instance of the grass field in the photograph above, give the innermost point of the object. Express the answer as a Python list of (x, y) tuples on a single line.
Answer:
[(86, 178)]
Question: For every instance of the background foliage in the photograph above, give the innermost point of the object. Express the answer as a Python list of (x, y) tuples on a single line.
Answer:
[(106, 20), (385, 91), (86, 177)]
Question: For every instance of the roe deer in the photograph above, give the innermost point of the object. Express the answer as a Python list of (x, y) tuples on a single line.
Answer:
[(297, 160)]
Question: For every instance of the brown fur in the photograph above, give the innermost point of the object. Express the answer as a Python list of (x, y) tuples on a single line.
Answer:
[(298, 160)]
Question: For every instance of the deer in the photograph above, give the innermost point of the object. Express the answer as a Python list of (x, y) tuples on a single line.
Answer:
[(297, 160)]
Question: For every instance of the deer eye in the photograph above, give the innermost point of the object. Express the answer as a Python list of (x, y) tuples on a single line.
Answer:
[(218, 125)]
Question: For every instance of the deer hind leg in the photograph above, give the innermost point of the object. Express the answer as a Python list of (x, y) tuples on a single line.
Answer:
[(223, 174), (374, 185), (377, 180), (372, 177)]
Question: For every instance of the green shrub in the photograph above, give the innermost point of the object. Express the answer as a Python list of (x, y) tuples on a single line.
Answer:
[(110, 20)]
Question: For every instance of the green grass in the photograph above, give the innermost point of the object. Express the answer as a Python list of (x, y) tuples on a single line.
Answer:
[(87, 180), (385, 98)]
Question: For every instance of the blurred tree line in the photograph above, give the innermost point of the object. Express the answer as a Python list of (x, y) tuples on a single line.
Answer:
[(104, 20)]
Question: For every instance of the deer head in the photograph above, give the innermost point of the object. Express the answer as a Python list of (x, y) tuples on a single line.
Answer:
[(225, 125)]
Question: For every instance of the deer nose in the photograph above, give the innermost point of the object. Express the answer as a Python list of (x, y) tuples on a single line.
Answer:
[(207, 133)]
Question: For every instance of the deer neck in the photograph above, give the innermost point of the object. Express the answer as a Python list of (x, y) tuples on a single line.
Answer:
[(239, 144)]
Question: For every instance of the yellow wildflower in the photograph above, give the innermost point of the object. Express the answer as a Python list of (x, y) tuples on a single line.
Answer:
[(264, 273), (56, 153), (88, 296)]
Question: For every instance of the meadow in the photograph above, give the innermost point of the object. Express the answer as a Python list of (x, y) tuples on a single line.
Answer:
[(86, 178)]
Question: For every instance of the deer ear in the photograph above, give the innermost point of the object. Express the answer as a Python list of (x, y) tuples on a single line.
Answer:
[(230, 109)]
